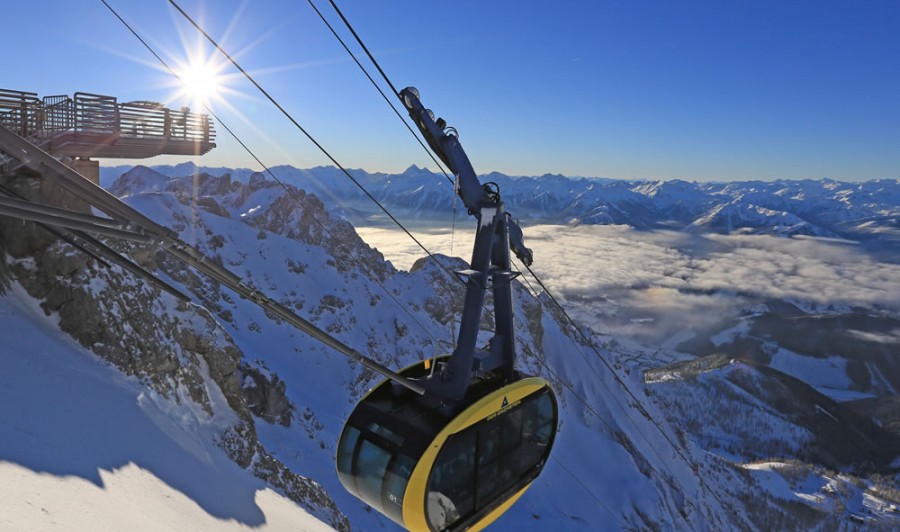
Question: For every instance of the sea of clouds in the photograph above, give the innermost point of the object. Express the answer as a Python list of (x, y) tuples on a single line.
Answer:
[(655, 284)]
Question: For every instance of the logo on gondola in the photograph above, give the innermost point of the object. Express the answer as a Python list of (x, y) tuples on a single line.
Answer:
[(505, 402)]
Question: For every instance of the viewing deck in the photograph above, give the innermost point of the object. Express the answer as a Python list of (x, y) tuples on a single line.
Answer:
[(97, 126)]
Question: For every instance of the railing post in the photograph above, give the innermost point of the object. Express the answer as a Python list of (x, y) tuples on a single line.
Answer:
[(40, 119), (167, 124), (204, 121), (23, 118)]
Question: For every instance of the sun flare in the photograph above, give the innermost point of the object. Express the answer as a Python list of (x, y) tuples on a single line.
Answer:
[(201, 82)]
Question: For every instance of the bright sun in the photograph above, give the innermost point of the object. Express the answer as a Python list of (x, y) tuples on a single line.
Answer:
[(201, 82)]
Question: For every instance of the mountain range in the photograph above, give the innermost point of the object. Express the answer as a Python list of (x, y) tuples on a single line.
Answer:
[(868, 210), (674, 437)]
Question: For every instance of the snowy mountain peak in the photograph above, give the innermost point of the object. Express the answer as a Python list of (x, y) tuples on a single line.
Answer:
[(139, 178), (413, 169)]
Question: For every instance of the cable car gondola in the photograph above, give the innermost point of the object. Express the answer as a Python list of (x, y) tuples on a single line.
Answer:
[(459, 453), (431, 470)]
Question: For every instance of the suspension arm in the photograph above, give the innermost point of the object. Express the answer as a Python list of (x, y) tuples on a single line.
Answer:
[(448, 148), (445, 143)]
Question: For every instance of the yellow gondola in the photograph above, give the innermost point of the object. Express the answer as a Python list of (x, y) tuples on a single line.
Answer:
[(428, 469)]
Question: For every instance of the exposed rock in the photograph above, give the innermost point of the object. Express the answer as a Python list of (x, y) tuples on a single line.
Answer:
[(447, 303), (131, 324), (265, 395), (294, 213), (302, 217), (239, 442), (209, 204)]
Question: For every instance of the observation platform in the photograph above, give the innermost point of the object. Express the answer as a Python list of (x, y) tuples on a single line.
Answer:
[(92, 125)]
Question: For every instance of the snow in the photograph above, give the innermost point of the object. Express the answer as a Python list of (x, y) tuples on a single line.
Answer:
[(820, 409), (128, 498), (825, 374), (728, 335), (843, 396), (606, 445), (879, 378), (784, 208), (829, 492), (86, 448), (766, 474)]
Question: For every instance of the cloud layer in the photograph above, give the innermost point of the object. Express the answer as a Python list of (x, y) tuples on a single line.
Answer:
[(617, 278)]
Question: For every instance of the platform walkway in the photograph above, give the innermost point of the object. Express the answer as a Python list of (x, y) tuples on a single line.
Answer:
[(96, 126)]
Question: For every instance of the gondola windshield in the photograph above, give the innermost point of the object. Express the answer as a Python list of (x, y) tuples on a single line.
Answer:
[(480, 464)]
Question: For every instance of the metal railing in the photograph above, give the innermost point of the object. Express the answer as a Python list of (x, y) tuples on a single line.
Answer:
[(59, 113), (21, 112), (96, 114)]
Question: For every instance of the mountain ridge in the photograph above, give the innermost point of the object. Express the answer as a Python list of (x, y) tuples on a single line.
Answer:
[(863, 211)]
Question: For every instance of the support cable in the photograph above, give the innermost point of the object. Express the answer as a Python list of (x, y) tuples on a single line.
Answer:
[(365, 49), (96, 249), (291, 193), (594, 348), (58, 173), (455, 179), (394, 219), (394, 89), (374, 84), (69, 238), (298, 126), (316, 143), (622, 524), (603, 384), (327, 154)]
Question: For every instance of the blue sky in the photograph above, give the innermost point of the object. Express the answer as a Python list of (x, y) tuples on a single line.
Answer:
[(717, 90)]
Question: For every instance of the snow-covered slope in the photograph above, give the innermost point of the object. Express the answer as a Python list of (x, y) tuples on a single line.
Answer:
[(846, 353), (801, 447), (763, 413), (86, 448)]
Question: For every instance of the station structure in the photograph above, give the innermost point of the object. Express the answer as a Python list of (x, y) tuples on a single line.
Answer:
[(85, 127)]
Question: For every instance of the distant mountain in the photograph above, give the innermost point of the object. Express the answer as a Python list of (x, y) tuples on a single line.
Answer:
[(868, 210), (760, 413), (796, 442), (845, 353)]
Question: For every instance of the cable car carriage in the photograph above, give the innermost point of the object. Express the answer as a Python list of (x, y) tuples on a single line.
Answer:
[(453, 442)]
